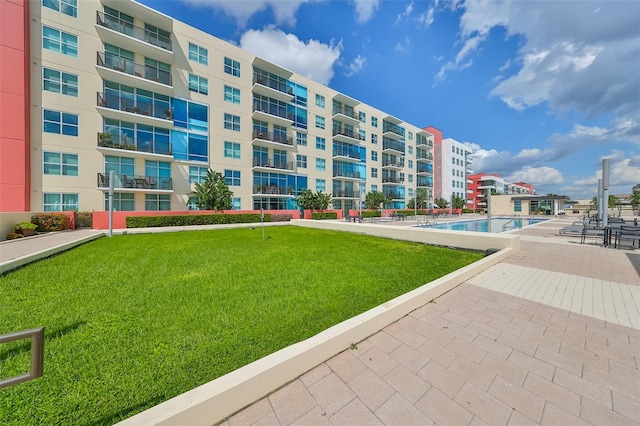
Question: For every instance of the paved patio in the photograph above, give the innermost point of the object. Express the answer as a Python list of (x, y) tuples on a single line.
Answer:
[(549, 336)]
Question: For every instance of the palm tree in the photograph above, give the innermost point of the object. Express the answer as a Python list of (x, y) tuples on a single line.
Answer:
[(635, 201), (213, 193)]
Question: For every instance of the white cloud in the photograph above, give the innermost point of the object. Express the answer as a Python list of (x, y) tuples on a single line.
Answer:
[(312, 59), (624, 174), (536, 176), (356, 66), (403, 47), (283, 11), (365, 9)]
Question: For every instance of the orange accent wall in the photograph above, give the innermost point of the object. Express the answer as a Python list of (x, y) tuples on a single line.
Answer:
[(437, 165), (15, 178)]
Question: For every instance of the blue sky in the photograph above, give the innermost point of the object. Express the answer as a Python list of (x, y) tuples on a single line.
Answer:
[(542, 91)]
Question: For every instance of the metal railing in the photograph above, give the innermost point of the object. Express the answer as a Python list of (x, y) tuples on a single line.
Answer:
[(127, 66), (273, 137), (346, 193), (393, 128), (346, 174), (272, 83), (37, 355), (135, 104), (131, 30), (513, 222), (346, 152), (273, 189), (107, 140), (348, 112), (272, 109), (391, 144), (390, 179), (350, 133), (135, 182), (272, 163)]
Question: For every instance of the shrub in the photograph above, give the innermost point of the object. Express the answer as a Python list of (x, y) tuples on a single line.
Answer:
[(26, 225), (286, 217), (84, 220), (324, 215), (13, 236), (193, 219), (410, 212), (48, 222), (370, 213)]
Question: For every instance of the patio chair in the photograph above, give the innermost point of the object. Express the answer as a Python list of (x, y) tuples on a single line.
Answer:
[(627, 233), (591, 231)]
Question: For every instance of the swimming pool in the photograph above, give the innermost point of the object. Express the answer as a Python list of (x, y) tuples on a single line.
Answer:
[(482, 225)]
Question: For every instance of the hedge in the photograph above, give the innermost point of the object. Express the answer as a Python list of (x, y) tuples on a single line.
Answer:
[(371, 213), (48, 222), (410, 212), (324, 215), (193, 219), (84, 220)]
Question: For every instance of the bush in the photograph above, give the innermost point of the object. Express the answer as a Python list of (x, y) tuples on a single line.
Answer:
[(281, 217), (84, 220), (48, 222), (370, 213), (13, 236), (26, 225), (193, 219), (324, 215), (468, 210), (410, 212)]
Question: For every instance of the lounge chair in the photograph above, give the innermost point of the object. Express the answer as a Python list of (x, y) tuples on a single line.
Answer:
[(591, 231), (627, 233)]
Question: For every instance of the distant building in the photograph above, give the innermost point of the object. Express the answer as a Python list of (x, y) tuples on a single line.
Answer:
[(481, 182)]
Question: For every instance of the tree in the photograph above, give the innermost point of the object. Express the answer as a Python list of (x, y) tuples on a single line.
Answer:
[(613, 201), (421, 195), (457, 202), (213, 193), (310, 201), (635, 201), (373, 199), (442, 203)]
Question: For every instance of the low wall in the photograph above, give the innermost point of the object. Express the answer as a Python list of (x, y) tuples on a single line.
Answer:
[(101, 218), (215, 401), (8, 221)]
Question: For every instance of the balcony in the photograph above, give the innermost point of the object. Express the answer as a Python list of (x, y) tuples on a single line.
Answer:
[(392, 145), (121, 33), (394, 195), (346, 154), (347, 135), (272, 112), (272, 88), (155, 78), (392, 180), (153, 113), (424, 182), (135, 182), (272, 139), (423, 142), (271, 163), (107, 140), (346, 174), (347, 115), (272, 189), (345, 193), (392, 164), (424, 169), (392, 131)]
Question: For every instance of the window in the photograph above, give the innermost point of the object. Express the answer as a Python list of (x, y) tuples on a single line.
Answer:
[(320, 143), (410, 178), (121, 202), (374, 188), (374, 139), (60, 202), (60, 82), (231, 94), (374, 172), (235, 203), (319, 122), (68, 7), (410, 136), (410, 150), (410, 191), (61, 123), (374, 121), (197, 174), (155, 202), (155, 70), (301, 139), (410, 164), (320, 164), (232, 177), (320, 101), (374, 155), (401, 177), (59, 41), (232, 122), (198, 54), (198, 84), (57, 163), (119, 165), (362, 116), (321, 185), (453, 149), (301, 161), (232, 67), (232, 150), (517, 206), (362, 135)]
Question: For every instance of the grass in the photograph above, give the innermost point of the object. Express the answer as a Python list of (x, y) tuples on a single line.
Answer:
[(134, 320)]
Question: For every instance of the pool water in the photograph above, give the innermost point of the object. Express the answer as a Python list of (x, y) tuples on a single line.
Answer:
[(482, 225)]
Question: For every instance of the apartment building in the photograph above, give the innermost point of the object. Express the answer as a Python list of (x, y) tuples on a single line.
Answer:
[(479, 183), (114, 85), (456, 167)]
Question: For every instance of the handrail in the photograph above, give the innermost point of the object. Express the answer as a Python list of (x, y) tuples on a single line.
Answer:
[(513, 219), (37, 355)]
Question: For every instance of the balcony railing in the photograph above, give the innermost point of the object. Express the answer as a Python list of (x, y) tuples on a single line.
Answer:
[(272, 189), (273, 137), (115, 62), (424, 168), (421, 141), (107, 140), (391, 144), (135, 182), (346, 152), (393, 128), (421, 155), (129, 103), (348, 112), (345, 193), (131, 30), (346, 173), (392, 163), (272, 163), (424, 183), (394, 195), (272, 83), (272, 109), (339, 130), (391, 179)]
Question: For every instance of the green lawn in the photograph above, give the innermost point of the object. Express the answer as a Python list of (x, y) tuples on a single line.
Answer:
[(134, 320)]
